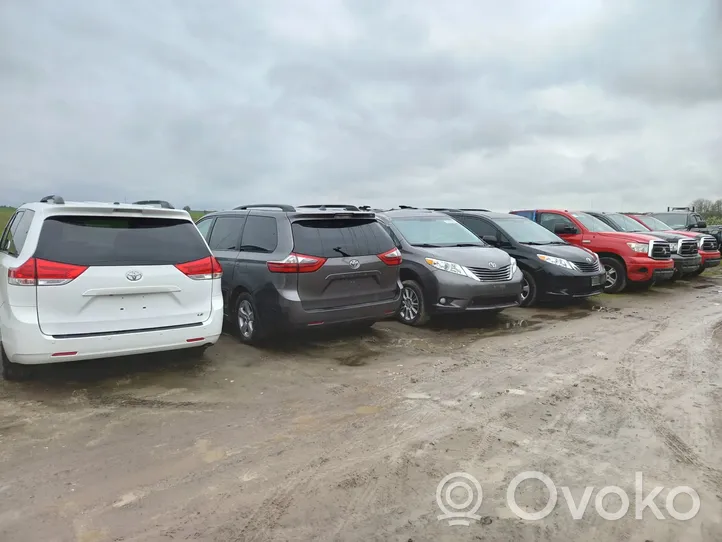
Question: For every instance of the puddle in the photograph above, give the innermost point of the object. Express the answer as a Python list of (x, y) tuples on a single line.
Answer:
[(703, 286)]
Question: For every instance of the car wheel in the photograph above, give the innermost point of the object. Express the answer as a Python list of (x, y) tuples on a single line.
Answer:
[(14, 371), (412, 311), (616, 275), (528, 295), (246, 321)]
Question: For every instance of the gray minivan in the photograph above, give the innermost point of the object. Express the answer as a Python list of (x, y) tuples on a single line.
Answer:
[(446, 268), (286, 267)]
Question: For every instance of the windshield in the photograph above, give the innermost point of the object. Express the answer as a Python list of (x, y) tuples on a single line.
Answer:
[(624, 223), (675, 220), (591, 223), (652, 223), (435, 231), (526, 232)]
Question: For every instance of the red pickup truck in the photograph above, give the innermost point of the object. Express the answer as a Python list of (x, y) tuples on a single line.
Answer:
[(627, 257), (708, 246)]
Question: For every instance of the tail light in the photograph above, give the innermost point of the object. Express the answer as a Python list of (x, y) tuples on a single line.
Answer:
[(297, 263), (37, 272), (391, 257), (203, 269)]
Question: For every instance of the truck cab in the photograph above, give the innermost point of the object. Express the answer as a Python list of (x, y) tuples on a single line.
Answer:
[(627, 257)]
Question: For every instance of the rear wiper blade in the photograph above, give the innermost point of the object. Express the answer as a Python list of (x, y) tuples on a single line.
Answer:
[(341, 252)]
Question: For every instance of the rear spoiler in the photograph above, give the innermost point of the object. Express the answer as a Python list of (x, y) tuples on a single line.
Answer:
[(357, 215), (119, 209)]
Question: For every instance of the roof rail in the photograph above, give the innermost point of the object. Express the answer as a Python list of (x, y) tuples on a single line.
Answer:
[(53, 199), (406, 207), (689, 209), (324, 207), (472, 209), (281, 206), (453, 209)]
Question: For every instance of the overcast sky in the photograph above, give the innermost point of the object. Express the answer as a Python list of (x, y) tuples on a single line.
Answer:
[(611, 105)]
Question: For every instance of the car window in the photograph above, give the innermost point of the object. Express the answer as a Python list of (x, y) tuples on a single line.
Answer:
[(21, 228), (478, 226), (695, 219), (260, 234), (6, 243), (526, 232), (336, 238), (116, 240), (550, 220), (226, 233), (204, 226), (391, 233), (624, 223), (435, 231), (593, 224), (675, 220), (653, 223)]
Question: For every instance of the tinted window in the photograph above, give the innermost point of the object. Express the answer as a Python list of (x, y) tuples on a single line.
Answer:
[(340, 238), (226, 233), (675, 220), (479, 226), (204, 227), (20, 230), (260, 234), (391, 233), (550, 220), (435, 231), (7, 244), (591, 223), (653, 223), (624, 223), (116, 240)]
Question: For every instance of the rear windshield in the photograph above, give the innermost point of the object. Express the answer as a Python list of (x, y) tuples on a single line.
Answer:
[(337, 238), (91, 240)]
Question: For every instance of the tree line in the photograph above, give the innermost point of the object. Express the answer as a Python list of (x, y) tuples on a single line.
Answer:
[(710, 210)]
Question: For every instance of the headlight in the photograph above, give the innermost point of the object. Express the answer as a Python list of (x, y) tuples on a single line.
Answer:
[(450, 267), (561, 262), (639, 247)]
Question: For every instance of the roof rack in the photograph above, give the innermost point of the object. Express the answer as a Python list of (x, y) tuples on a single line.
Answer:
[(281, 206), (689, 209), (473, 209), (452, 209), (406, 207), (324, 207), (53, 199), (155, 202)]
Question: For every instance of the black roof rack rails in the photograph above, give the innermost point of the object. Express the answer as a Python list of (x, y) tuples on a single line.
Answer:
[(53, 199), (281, 206), (453, 209), (406, 207), (474, 209), (324, 207)]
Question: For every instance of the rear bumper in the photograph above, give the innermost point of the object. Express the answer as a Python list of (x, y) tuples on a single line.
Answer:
[(25, 344), (643, 269), (463, 294), (710, 258), (293, 315)]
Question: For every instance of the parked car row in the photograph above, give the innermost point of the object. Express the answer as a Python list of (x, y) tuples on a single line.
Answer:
[(93, 280)]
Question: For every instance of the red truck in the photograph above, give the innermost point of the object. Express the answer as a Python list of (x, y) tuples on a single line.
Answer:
[(708, 246), (627, 257)]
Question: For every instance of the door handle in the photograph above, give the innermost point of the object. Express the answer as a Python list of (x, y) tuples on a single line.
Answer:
[(586, 241)]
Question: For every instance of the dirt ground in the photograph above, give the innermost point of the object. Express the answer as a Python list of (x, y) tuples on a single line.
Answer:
[(346, 437)]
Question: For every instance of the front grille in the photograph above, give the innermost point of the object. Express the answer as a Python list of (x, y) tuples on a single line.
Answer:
[(489, 274), (687, 247), (586, 267), (709, 243), (659, 250)]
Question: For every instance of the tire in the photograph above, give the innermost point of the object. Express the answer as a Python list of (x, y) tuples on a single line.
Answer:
[(246, 323), (614, 267), (413, 310), (529, 298), (696, 273), (14, 371)]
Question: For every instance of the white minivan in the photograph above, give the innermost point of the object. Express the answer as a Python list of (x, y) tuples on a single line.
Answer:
[(95, 280)]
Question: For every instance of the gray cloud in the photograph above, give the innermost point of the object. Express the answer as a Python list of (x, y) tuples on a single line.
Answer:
[(578, 103)]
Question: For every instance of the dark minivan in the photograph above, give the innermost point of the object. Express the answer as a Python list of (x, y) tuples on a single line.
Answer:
[(552, 268), (287, 267)]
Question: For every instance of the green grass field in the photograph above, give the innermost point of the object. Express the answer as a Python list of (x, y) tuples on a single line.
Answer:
[(7, 212)]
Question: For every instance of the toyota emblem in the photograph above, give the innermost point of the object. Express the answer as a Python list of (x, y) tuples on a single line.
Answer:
[(492, 265), (354, 264), (134, 276)]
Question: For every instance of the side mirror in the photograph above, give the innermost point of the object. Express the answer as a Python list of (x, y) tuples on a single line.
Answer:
[(490, 240), (701, 224), (564, 229)]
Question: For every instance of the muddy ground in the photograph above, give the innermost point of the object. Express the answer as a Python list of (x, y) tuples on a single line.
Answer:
[(345, 437)]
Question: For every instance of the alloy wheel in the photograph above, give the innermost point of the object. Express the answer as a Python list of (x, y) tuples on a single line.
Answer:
[(246, 318), (525, 289), (410, 304), (611, 276)]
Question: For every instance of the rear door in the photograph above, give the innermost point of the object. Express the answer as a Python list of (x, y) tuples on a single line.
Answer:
[(353, 273), (127, 273)]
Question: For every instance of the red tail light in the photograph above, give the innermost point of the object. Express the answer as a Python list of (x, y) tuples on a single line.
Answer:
[(297, 263), (203, 269), (392, 257), (37, 272)]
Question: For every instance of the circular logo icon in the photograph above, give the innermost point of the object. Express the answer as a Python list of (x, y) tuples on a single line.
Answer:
[(134, 276), (492, 265), (469, 496), (354, 264)]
